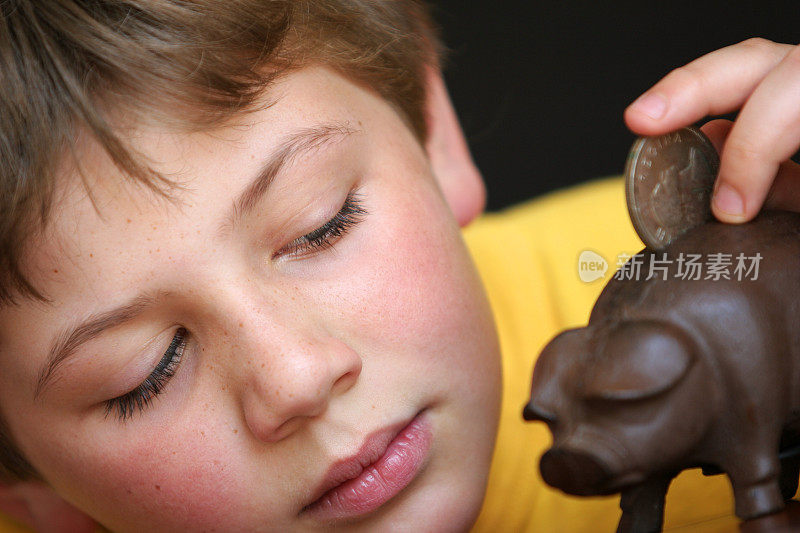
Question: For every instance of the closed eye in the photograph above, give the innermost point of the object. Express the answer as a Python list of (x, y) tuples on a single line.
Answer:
[(139, 398), (351, 213)]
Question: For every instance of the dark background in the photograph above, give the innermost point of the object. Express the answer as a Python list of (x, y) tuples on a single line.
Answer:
[(540, 87)]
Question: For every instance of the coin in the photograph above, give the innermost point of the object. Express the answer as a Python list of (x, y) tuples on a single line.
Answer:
[(668, 184)]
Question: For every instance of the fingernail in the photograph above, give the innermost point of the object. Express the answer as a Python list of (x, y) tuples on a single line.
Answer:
[(729, 201), (651, 104)]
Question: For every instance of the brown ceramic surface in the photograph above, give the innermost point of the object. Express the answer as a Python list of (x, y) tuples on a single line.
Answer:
[(676, 371)]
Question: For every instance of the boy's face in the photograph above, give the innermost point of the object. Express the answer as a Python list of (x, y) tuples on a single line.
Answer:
[(274, 356)]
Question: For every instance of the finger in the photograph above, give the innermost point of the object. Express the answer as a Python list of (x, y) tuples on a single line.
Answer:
[(766, 133), (785, 191), (716, 83), (717, 131)]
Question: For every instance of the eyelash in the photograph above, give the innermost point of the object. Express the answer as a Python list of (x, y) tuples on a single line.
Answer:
[(140, 397), (351, 213)]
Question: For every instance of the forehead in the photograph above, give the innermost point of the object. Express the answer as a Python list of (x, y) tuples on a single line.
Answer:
[(105, 235)]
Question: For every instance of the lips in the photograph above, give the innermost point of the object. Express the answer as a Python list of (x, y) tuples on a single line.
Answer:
[(387, 462)]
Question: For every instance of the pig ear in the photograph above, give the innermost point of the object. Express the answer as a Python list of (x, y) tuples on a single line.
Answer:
[(639, 360)]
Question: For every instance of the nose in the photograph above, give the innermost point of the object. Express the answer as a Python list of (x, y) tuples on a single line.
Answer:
[(574, 472), (294, 381), (533, 412)]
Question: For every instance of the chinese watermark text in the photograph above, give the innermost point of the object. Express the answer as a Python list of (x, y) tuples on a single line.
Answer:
[(713, 266)]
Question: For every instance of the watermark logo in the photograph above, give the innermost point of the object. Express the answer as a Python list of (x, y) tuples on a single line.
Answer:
[(591, 266), (686, 266), (713, 266)]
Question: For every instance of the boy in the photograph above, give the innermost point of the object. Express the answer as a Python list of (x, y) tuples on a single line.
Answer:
[(248, 306)]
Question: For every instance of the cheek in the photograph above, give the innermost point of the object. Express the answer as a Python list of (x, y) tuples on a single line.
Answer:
[(415, 290), (178, 478)]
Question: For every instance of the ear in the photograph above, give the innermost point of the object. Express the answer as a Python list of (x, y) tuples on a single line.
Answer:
[(456, 173), (639, 360)]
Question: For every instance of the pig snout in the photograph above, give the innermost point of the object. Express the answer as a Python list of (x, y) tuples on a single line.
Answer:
[(573, 472), (533, 412)]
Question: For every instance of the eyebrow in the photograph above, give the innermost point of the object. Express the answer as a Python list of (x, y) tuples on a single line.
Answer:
[(67, 341), (299, 142)]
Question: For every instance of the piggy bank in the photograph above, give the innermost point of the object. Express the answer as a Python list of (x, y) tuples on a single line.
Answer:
[(690, 358)]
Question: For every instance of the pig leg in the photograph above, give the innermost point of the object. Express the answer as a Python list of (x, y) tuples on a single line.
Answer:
[(755, 481), (752, 462), (643, 506)]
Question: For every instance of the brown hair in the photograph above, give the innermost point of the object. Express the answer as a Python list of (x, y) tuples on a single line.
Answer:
[(66, 64)]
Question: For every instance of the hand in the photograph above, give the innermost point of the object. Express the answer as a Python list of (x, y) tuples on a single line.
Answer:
[(762, 80), (41, 509)]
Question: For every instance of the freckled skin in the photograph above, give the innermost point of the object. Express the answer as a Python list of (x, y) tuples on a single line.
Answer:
[(290, 364)]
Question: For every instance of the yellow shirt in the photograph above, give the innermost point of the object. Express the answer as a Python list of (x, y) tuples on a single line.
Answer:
[(528, 259)]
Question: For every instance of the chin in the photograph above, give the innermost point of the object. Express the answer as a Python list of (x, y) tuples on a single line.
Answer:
[(444, 506), (455, 511)]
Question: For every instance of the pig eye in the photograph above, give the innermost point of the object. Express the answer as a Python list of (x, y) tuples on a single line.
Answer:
[(626, 412), (639, 360)]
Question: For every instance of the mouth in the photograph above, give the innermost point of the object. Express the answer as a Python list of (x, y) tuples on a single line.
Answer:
[(387, 462)]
